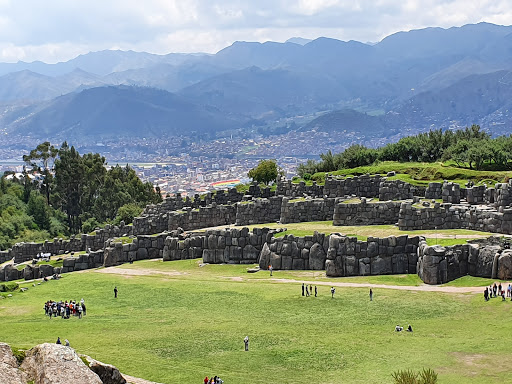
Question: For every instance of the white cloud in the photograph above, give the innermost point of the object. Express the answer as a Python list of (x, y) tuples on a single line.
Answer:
[(59, 29)]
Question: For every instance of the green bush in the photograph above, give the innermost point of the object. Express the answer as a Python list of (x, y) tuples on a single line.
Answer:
[(8, 287), (19, 354), (426, 376)]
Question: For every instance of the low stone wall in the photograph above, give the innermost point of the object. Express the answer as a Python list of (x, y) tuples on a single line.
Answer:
[(5, 256), (395, 190), (362, 186), (489, 259), (451, 193), (306, 210), (434, 191), (364, 213), (231, 245), (202, 217), (142, 247), (295, 253), (377, 256), (476, 195), (449, 216), (258, 211), (288, 189), (151, 224)]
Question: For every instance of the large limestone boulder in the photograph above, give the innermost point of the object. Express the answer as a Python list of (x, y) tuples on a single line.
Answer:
[(264, 260), (317, 257), (9, 372), (56, 364), (106, 372), (505, 265), (485, 260)]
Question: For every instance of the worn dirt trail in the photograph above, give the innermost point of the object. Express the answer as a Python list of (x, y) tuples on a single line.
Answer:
[(421, 288)]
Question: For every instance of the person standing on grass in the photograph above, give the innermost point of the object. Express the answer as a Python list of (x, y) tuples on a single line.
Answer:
[(270, 269), (206, 380), (371, 295), (307, 291), (316, 291), (58, 340), (115, 292), (246, 342), (302, 289), (333, 290)]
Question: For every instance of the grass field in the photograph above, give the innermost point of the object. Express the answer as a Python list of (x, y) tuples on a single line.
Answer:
[(176, 322)]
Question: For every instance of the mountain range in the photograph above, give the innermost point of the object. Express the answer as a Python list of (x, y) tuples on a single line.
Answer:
[(412, 80)]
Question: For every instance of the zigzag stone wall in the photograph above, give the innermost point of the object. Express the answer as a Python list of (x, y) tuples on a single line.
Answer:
[(366, 213), (306, 210), (363, 186), (488, 258), (348, 256), (231, 245), (258, 211), (202, 217)]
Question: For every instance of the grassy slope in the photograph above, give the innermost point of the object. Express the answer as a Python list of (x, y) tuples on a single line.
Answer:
[(423, 173), (183, 327)]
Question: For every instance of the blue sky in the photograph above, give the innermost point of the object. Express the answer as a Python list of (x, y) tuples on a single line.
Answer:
[(57, 30)]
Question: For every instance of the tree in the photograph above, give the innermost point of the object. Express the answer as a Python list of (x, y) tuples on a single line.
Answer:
[(41, 159), (266, 171)]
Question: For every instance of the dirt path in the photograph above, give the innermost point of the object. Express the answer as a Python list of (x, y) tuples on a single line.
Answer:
[(421, 288), (136, 380), (138, 272)]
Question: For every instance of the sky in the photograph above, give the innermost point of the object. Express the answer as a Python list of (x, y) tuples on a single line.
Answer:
[(58, 30)]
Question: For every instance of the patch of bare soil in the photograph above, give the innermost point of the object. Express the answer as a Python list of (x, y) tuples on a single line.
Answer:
[(136, 380), (423, 287), (138, 272)]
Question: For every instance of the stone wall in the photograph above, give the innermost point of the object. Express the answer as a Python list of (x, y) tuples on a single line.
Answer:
[(296, 253), (202, 217), (366, 213), (451, 193), (142, 247), (434, 191), (449, 216), (298, 211), (258, 211), (231, 245), (363, 186), (347, 256), (5, 256), (488, 258), (288, 189), (476, 195), (395, 190)]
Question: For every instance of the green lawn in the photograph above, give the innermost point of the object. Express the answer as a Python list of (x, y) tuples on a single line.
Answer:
[(186, 321)]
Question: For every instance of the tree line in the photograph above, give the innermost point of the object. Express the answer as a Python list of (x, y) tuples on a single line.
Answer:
[(468, 148), (73, 193)]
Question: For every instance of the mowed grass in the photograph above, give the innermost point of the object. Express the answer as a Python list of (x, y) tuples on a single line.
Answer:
[(444, 237), (185, 322)]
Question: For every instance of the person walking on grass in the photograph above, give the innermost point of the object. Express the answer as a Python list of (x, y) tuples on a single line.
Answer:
[(307, 291), (371, 295), (270, 269), (115, 292), (333, 290), (302, 289), (246, 343), (316, 291)]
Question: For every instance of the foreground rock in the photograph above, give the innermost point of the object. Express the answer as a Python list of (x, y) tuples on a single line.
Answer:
[(57, 364), (9, 372), (106, 372)]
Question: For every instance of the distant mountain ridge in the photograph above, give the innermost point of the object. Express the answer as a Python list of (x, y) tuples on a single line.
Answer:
[(424, 78)]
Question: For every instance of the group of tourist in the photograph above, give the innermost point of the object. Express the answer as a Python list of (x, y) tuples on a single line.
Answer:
[(65, 309), (213, 380), (308, 290), (494, 290)]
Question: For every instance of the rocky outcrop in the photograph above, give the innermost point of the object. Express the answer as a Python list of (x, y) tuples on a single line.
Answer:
[(106, 372), (505, 265), (56, 364), (9, 372)]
